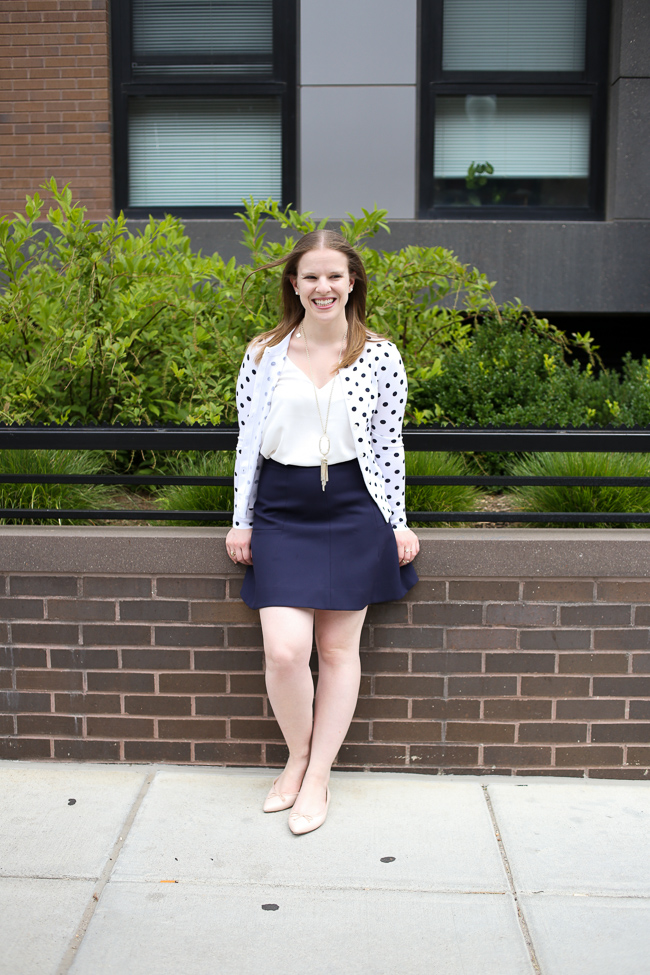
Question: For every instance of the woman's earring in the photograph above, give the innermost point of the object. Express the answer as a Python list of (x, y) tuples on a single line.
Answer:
[(297, 292)]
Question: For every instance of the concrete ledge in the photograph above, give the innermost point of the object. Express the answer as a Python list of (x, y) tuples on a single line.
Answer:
[(461, 552)]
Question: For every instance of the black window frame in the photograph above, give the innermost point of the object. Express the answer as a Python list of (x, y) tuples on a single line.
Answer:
[(591, 83), (281, 84)]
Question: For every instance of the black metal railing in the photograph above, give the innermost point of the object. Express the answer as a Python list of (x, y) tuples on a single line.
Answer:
[(483, 440)]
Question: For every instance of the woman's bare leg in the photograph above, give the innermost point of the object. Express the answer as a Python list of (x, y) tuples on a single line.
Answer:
[(288, 634), (339, 672)]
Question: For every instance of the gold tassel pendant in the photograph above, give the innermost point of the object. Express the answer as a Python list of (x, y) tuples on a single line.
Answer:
[(324, 476)]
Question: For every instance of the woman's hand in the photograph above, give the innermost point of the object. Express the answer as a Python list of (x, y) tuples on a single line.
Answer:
[(408, 545), (238, 545)]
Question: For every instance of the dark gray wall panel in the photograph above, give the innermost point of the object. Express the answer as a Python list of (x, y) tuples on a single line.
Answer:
[(634, 58), (629, 155)]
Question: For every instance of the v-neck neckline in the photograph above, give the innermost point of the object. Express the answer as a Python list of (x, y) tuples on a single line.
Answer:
[(308, 378)]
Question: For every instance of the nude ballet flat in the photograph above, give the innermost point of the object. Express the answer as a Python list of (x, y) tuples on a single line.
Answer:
[(277, 801), (306, 824)]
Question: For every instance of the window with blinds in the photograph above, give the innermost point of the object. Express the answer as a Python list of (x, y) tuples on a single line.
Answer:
[(204, 100), (513, 96)]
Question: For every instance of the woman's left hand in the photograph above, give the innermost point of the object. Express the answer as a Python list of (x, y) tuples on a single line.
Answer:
[(408, 545)]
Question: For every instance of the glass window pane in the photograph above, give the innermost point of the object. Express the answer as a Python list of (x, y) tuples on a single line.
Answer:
[(538, 143), (202, 37), (514, 35), (203, 151)]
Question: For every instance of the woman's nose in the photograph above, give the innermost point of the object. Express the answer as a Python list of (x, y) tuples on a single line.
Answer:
[(323, 285)]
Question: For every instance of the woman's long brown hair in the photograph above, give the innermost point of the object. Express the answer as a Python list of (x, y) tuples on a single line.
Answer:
[(293, 311)]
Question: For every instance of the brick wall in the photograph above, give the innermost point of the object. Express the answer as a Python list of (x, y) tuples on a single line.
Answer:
[(491, 671), (55, 109)]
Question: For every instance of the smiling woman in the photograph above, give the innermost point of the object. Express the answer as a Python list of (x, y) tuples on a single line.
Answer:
[(319, 504)]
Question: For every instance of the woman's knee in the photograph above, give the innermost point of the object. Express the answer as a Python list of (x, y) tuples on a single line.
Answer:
[(282, 655)]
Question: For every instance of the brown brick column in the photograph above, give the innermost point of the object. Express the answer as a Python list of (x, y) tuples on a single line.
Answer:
[(55, 109)]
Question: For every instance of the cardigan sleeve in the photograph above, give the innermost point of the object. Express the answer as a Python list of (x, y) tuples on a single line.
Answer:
[(245, 479), (386, 428)]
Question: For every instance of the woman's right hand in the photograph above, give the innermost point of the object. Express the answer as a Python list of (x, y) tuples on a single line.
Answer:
[(238, 545)]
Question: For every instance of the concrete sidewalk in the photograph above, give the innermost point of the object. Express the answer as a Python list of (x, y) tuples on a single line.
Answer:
[(150, 870)]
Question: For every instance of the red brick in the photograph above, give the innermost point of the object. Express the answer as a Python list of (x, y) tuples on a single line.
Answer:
[(87, 703), (443, 756), (551, 731), (21, 609), (255, 728), (382, 707), (517, 709), (49, 680), (427, 591), (157, 704), (227, 660), (228, 753), (23, 701), (592, 663), (371, 755), (120, 682), (192, 683), (153, 609), (519, 662), (89, 751), (189, 636), (387, 613), (115, 634), (381, 662), (133, 586), (625, 731), (189, 587), (447, 662), (84, 658), (482, 686), (6, 681), (637, 591), (157, 751), (639, 710), (24, 748), (485, 638), (6, 724), (248, 684), (598, 614), (48, 633), (43, 586), (222, 612), (555, 686), (559, 591), (49, 724), (446, 614), (621, 686), (409, 686), (517, 614), (479, 732), (641, 663), (555, 639), (22, 657), (618, 773), (585, 755), (510, 756), (407, 731), (417, 637), (642, 616), (80, 609), (638, 756), (243, 636), (229, 705), (437, 709), (151, 659), (192, 728), (121, 727), (590, 709)]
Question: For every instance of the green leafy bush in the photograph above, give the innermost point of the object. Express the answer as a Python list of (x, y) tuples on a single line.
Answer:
[(438, 497), (98, 324), (199, 497), (55, 462), (593, 499)]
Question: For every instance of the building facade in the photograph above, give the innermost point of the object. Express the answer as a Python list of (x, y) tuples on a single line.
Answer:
[(514, 132)]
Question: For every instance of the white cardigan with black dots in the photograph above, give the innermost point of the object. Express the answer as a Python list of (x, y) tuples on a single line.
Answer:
[(376, 388)]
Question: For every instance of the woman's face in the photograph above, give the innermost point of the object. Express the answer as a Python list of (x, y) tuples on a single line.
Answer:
[(323, 284)]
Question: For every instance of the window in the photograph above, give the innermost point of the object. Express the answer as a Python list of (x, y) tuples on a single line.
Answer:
[(513, 101), (204, 104)]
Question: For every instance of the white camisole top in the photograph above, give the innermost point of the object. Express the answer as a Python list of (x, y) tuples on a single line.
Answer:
[(292, 429)]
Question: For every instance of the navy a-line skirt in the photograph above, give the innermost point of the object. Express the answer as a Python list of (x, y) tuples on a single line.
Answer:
[(320, 549)]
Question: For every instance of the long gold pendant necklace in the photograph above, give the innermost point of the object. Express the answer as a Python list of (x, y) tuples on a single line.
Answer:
[(324, 440)]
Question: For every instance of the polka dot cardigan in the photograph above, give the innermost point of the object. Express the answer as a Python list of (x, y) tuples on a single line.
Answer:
[(375, 390)]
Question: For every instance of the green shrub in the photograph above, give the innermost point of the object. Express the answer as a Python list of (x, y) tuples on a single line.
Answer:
[(56, 462), (199, 497), (101, 325), (593, 499), (436, 497)]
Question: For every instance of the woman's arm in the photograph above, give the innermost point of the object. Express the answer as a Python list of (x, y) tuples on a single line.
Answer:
[(239, 537)]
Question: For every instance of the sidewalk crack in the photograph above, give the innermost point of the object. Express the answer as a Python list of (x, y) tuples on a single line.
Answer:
[(513, 890), (105, 876)]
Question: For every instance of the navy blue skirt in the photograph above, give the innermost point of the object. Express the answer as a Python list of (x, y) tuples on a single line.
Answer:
[(320, 549)]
